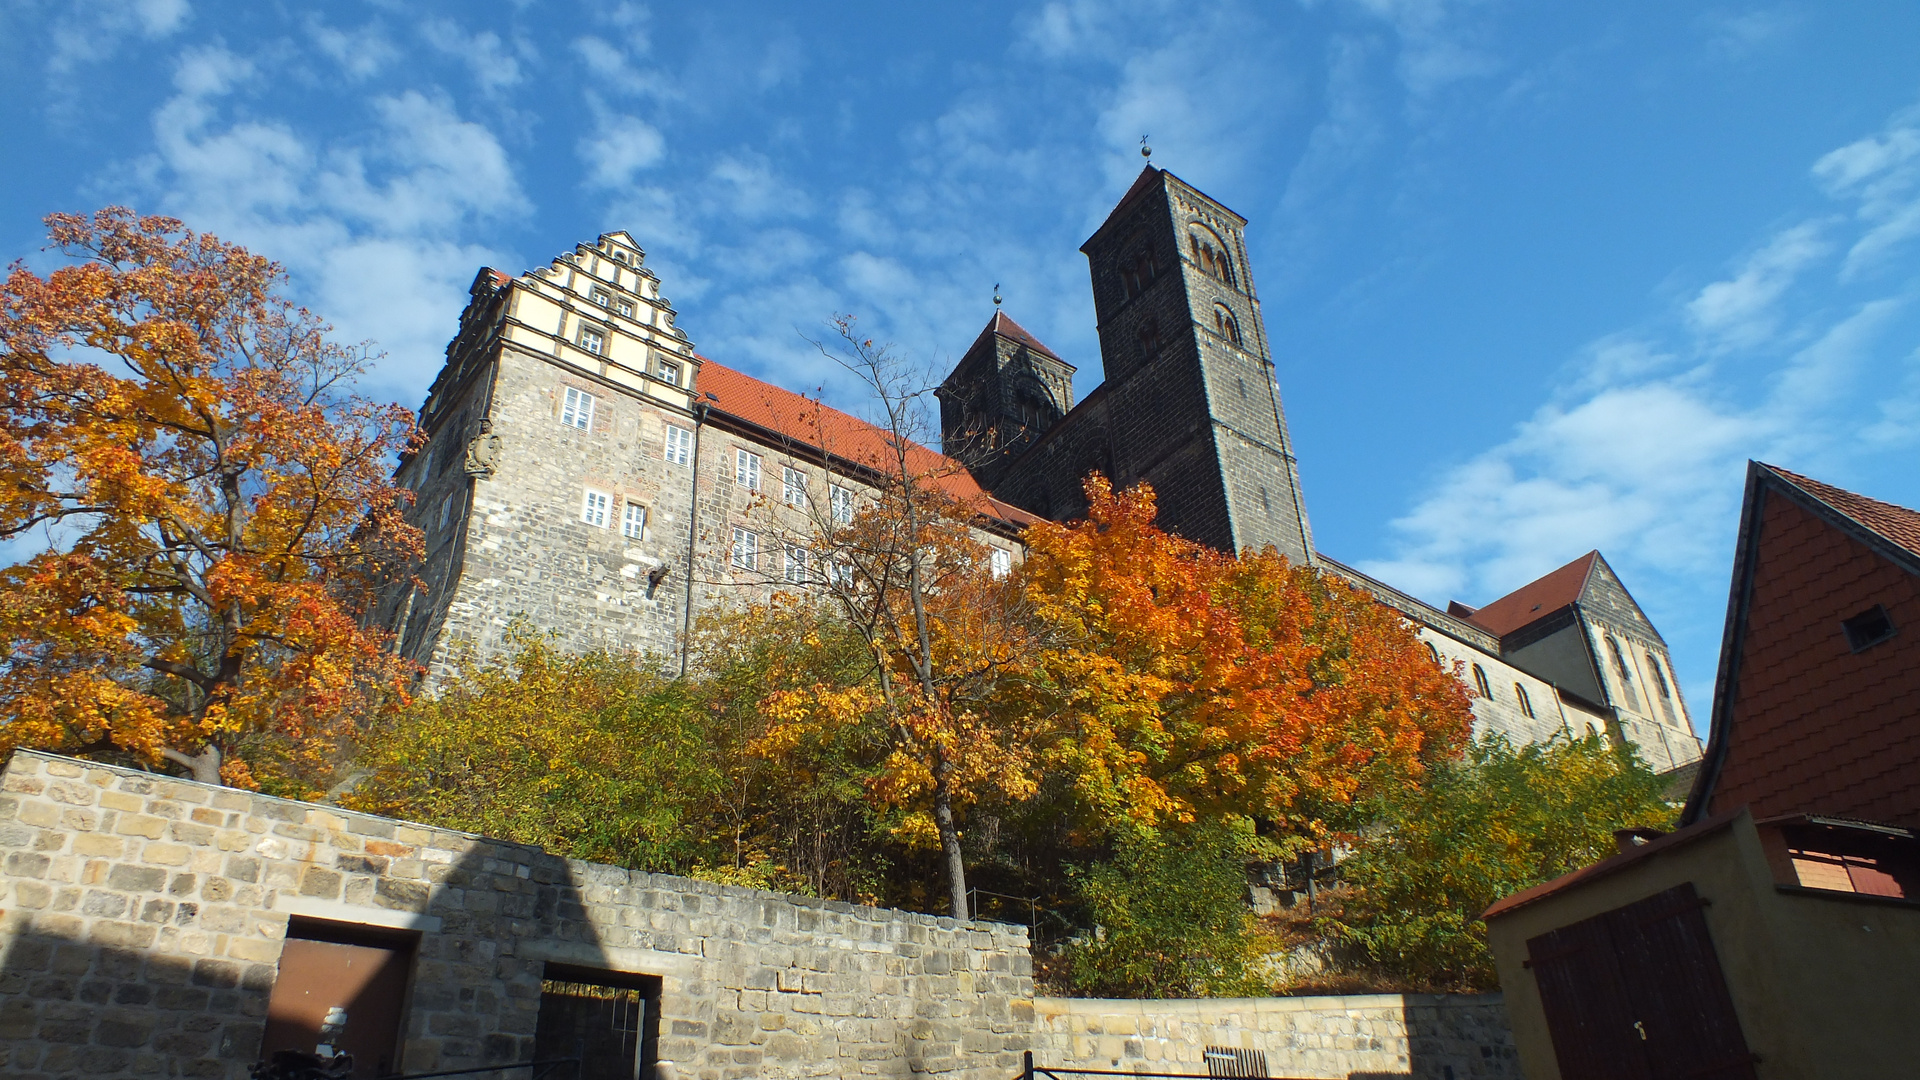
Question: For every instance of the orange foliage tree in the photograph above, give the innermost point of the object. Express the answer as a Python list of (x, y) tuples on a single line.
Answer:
[(1184, 683), (206, 505)]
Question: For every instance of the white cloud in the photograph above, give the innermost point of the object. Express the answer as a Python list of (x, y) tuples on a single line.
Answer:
[(91, 31), (493, 65), (1882, 173), (620, 147), (1740, 310), (361, 53), (370, 228)]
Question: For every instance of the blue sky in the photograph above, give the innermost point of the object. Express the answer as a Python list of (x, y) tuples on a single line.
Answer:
[(1539, 277)]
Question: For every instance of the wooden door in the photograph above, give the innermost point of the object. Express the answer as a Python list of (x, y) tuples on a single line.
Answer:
[(367, 979), (1638, 993)]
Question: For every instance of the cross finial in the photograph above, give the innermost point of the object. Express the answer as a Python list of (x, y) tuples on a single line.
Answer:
[(996, 296), (1145, 150)]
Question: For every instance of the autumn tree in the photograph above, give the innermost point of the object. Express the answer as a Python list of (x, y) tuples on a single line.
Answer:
[(1497, 821), (905, 572), (1182, 683), (206, 502)]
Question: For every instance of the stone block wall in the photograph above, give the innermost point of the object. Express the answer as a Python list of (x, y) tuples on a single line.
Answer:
[(142, 920), (1362, 1037)]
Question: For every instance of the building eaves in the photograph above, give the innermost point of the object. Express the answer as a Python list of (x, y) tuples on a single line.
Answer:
[(1611, 865), (1416, 609)]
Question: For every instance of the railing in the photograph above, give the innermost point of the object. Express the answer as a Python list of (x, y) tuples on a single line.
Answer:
[(1222, 1068)]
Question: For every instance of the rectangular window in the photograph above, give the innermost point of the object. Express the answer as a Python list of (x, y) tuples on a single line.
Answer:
[(746, 470), (840, 573), (578, 410), (602, 297), (633, 521), (597, 508), (679, 445), (793, 487), (594, 340), (670, 372), (624, 306), (1002, 562), (746, 549), (795, 570), (842, 501)]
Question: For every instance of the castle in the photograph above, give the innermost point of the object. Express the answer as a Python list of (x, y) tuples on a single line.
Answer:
[(591, 474)]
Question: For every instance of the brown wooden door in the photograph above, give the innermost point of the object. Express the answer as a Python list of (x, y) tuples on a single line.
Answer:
[(1637, 992), (368, 979)]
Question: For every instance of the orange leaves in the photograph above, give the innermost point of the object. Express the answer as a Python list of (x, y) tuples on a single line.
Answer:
[(1192, 682), (211, 504)]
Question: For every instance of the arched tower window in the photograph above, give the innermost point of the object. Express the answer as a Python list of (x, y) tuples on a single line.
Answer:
[(1210, 254), (1149, 336), (1225, 324), (1137, 271), (1626, 674), (1480, 680)]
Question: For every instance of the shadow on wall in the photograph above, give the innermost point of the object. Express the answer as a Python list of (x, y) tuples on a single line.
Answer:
[(1455, 1037), (158, 927)]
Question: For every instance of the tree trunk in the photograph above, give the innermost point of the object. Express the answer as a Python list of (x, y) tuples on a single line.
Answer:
[(950, 843), (205, 764)]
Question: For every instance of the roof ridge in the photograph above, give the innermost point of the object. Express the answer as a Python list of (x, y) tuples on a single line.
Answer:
[(1896, 524)]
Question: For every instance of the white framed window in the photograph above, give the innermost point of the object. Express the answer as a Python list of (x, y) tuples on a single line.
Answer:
[(602, 297), (840, 573), (841, 500), (679, 445), (795, 568), (624, 306), (793, 486), (633, 521), (596, 508), (670, 372), (746, 549), (746, 470), (594, 340), (577, 411), (1001, 561)]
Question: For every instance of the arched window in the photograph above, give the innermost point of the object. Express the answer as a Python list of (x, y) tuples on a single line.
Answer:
[(1149, 336), (1626, 674), (1526, 703), (1660, 686), (1480, 680), (1137, 271), (1436, 654), (1211, 256), (1224, 323)]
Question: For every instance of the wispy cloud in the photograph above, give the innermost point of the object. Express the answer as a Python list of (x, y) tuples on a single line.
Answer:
[(91, 31)]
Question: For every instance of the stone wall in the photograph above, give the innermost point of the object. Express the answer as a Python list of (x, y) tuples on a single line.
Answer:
[(142, 919), (1423, 1036)]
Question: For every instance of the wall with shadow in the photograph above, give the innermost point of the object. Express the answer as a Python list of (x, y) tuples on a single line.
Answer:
[(144, 921)]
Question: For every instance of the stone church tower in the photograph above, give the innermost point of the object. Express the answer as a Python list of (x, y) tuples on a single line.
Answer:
[(1189, 404)]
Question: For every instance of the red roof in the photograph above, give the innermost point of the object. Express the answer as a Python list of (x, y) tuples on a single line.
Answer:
[(815, 426), (1896, 523), (1612, 864), (1537, 599), (1007, 328)]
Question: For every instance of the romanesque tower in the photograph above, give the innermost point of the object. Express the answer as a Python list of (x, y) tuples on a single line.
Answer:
[(1003, 395), (1194, 407)]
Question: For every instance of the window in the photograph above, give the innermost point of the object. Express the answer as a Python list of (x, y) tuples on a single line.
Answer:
[(602, 297), (1626, 674), (1867, 629), (577, 411), (1001, 561), (746, 549), (1225, 325), (842, 502), (1149, 338), (795, 570), (446, 511), (1526, 703), (669, 371), (793, 486), (1435, 653), (624, 306), (679, 445), (1138, 272), (594, 340), (1660, 686), (596, 509), (746, 470), (840, 573), (1480, 680), (1212, 260), (633, 521)]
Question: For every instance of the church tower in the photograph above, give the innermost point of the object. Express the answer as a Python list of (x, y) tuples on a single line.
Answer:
[(1192, 404), (1003, 394)]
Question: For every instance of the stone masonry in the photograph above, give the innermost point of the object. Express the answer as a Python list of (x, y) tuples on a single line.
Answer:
[(144, 918)]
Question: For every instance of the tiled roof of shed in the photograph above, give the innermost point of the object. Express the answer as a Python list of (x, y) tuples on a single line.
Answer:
[(812, 425), (1537, 599), (1896, 523)]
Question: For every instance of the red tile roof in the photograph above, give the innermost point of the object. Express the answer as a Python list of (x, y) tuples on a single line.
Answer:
[(814, 426), (1007, 328), (1896, 523), (1537, 599)]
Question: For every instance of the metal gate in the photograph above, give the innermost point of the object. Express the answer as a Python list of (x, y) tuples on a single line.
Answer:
[(1637, 993)]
